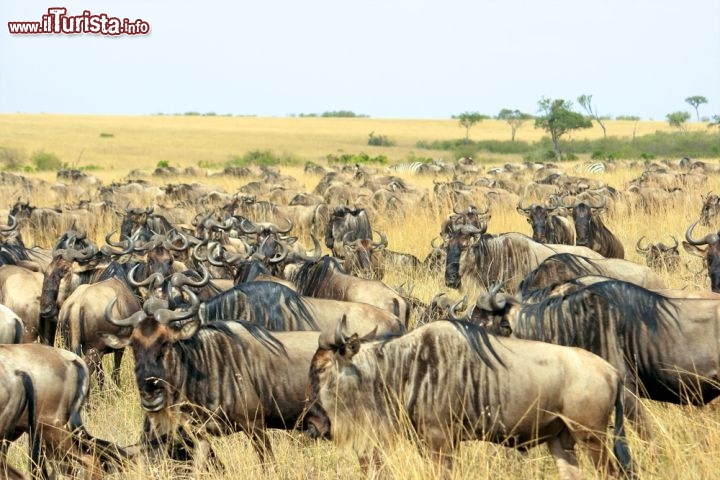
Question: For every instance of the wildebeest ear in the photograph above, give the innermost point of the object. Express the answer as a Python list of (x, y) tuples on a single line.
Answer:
[(694, 250), (113, 341), (351, 347), (369, 336), (186, 330)]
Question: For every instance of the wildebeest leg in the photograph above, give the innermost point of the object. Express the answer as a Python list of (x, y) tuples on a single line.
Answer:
[(94, 363), (8, 472), (561, 448), (371, 464), (261, 442), (205, 456), (635, 412)]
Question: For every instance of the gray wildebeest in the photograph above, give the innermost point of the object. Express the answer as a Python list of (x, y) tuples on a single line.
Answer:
[(61, 382), (346, 220), (216, 379), (711, 253), (11, 326), (659, 256), (564, 267), (590, 231), (446, 382), (484, 260), (17, 394), (710, 210), (663, 347), (325, 278)]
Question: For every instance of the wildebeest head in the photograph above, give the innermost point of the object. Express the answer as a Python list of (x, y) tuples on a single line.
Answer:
[(20, 210), (134, 218), (491, 311), (346, 220), (537, 217), (459, 239), (659, 256), (159, 251), (470, 216), (711, 253), (363, 256), (710, 211), (153, 331), (9, 234), (583, 216)]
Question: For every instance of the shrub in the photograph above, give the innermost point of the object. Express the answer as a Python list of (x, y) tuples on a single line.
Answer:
[(379, 140), (44, 161), (106, 135), (348, 158), (11, 159), (260, 158)]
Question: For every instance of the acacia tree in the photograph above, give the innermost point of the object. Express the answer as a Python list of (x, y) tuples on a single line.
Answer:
[(695, 101), (585, 101), (468, 119), (557, 119), (678, 119), (514, 118)]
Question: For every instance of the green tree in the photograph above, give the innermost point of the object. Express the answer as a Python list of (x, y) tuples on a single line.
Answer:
[(715, 121), (557, 119), (678, 119), (468, 119), (695, 101), (585, 101), (514, 118)]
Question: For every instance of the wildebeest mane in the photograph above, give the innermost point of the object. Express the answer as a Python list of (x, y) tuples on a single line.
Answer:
[(584, 318), (501, 258), (574, 266), (479, 340), (258, 332), (311, 276), (262, 303), (11, 254)]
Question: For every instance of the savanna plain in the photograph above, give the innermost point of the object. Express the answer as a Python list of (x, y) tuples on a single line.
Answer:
[(686, 444)]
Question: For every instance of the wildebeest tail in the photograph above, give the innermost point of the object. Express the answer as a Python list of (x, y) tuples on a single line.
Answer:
[(620, 446), (17, 337), (31, 404)]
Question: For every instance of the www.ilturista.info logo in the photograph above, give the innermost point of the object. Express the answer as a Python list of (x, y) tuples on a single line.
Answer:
[(57, 22)]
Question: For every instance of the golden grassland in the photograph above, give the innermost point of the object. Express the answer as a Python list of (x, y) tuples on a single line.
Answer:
[(140, 142), (687, 439)]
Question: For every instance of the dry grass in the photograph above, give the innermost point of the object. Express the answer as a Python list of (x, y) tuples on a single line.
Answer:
[(687, 439)]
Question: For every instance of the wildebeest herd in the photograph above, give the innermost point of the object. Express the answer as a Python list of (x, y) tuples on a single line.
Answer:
[(239, 322)]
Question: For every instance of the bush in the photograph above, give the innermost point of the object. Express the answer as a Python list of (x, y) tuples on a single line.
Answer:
[(379, 140), (44, 161), (106, 135), (361, 158), (163, 164), (259, 158), (11, 159)]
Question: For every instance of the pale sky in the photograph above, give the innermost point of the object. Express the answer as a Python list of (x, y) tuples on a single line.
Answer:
[(386, 59)]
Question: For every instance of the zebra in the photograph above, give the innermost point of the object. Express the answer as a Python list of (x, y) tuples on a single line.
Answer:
[(594, 168), (409, 167)]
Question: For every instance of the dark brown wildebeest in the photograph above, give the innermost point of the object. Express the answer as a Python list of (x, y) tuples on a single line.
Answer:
[(659, 256), (547, 225), (364, 258), (711, 253), (564, 267), (446, 382), (660, 345), (590, 231), (325, 278), (482, 260), (60, 381), (215, 379)]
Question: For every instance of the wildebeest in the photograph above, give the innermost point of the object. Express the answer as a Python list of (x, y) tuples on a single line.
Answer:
[(17, 394), (60, 381), (325, 278), (659, 256), (547, 226), (219, 378), (450, 381), (711, 253), (710, 210), (483, 260), (590, 231), (663, 347), (364, 257), (11, 326), (566, 266), (346, 220), (19, 291)]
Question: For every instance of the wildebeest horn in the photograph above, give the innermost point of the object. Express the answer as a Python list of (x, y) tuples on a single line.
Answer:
[(280, 256), (289, 227), (488, 301), (710, 238), (454, 308), (73, 255), (346, 239), (524, 210), (169, 245), (12, 224), (603, 202), (155, 279), (317, 252), (665, 247), (126, 245), (383, 243), (130, 321), (247, 227), (340, 337), (432, 242), (456, 212), (167, 316), (639, 248), (179, 279), (212, 258), (469, 230)]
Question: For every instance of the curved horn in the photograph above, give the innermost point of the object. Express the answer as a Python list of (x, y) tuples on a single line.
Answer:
[(340, 337), (497, 305), (708, 239), (154, 279), (432, 242), (280, 256), (289, 227), (169, 245), (212, 258), (126, 245), (167, 316), (639, 248), (456, 212), (180, 279), (345, 240), (454, 308), (248, 230), (524, 210), (383, 243), (665, 247), (12, 224), (130, 321), (317, 252)]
